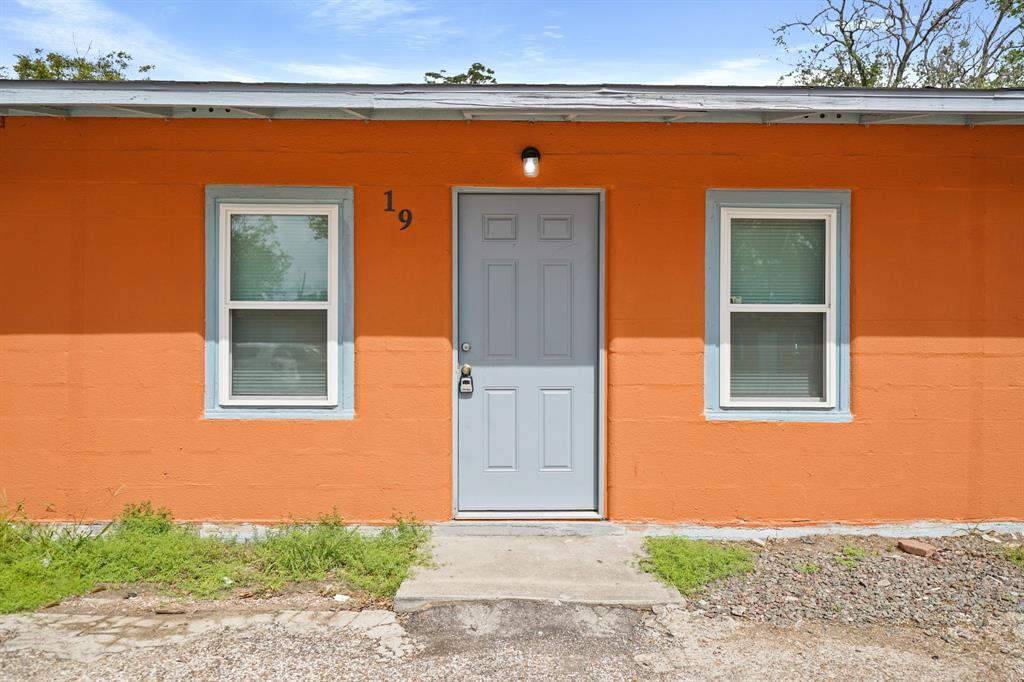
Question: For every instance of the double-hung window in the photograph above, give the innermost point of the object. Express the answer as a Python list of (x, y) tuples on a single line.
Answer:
[(780, 309), (280, 296)]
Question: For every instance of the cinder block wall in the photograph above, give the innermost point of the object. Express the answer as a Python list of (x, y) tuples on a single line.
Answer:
[(102, 293)]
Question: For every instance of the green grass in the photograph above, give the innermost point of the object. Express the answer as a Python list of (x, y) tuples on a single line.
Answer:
[(1015, 555), (42, 564), (849, 556), (811, 567), (689, 565)]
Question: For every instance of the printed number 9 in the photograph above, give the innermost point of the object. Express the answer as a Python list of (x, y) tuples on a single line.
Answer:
[(405, 217)]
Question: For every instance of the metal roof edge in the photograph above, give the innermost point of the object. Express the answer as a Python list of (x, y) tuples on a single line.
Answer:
[(769, 104), (255, 85)]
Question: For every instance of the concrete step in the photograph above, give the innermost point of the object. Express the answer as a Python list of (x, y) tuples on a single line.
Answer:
[(593, 569)]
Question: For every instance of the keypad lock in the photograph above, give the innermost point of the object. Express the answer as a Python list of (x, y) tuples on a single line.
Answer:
[(466, 379)]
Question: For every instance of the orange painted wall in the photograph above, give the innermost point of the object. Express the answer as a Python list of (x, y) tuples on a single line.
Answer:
[(101, 319)]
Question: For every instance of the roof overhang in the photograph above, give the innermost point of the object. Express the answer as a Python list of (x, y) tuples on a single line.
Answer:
[(654, 103)]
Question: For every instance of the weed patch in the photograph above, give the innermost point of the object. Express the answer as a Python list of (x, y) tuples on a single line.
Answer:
[(1015, 555), (376, 565), (849, 556), (689, 565), (40, 564), (810, 568)]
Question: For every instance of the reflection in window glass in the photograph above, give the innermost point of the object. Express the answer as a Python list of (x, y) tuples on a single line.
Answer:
[(279, 257)]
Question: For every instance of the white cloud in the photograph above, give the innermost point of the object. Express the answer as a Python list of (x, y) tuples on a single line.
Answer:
[(533, 54), (411, 23), (554, 32), (745, 71), (360, 12), (70, 25), (350, 73)]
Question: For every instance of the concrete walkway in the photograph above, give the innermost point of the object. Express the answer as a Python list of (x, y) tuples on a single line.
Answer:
[(595, 569), (86, 637)]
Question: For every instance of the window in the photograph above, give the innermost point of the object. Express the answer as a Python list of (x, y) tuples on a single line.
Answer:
[(779, 313), (280, 323), (777, 345), (279, 305)]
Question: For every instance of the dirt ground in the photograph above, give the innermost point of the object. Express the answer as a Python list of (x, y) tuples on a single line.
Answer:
[(511, 640)]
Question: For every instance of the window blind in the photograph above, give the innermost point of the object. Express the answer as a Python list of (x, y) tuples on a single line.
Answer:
[(777, 260), (777, 354), (279, 352)]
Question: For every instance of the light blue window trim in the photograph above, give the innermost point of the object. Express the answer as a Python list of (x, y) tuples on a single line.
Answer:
[(256, 194), (716, 200)]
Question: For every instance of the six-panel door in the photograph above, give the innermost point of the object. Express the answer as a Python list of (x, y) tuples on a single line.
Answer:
[(528, 283)]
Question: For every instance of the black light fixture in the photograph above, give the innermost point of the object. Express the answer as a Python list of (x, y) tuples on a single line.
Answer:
[(531, 162)]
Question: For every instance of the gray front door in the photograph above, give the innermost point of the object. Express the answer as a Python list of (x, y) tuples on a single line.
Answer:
[(528, 283)]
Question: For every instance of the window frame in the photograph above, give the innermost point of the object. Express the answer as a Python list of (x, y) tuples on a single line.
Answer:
[(787, 200), (281, 199), (727, 307), (225, 364)]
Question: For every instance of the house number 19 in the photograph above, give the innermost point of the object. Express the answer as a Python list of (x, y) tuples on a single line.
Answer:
[(404, 215)]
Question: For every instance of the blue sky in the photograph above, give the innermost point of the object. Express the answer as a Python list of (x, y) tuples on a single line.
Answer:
[(716, 42)]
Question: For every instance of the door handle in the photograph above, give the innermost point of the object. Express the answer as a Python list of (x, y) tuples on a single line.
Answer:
[(466, 370)]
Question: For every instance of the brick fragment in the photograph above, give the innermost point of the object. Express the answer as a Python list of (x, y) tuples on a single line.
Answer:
[(917, 548)]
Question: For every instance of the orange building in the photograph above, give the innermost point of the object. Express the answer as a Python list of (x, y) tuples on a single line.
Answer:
[(729, 306)]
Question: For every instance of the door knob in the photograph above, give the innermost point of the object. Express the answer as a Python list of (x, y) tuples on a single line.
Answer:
[(466, 370)]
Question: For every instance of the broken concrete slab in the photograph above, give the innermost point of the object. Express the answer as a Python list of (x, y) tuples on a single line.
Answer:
[(917, 548), (88, 637), (595, 569)]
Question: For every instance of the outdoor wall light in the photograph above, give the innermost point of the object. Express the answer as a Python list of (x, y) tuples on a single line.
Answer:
[(531, 162)]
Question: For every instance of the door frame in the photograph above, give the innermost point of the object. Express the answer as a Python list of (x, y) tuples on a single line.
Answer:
[(602, 362)]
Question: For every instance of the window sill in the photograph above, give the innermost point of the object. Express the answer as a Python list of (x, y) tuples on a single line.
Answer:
[(828, 416), (297, 413)]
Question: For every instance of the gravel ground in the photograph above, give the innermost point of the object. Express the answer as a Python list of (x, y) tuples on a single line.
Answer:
[(534, 641), (968, 590)]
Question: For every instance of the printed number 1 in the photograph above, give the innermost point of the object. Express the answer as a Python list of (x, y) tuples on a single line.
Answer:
[(404, 216)]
